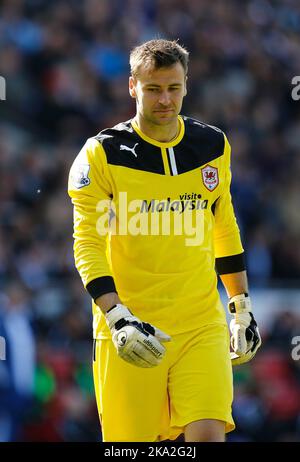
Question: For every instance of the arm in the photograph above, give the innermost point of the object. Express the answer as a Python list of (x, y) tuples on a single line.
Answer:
[(89, 187), (235, 283), (89, 183), (230, 265), (107, 301)]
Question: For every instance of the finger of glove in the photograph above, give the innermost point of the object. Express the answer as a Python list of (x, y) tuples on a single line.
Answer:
[(256, 344), (159, 334), (237, 360), (148, 328), (151, 357), (141, 355), (132, 350), (238, 338), (253, 336), (153, 346), (162, 336), (134, 359)]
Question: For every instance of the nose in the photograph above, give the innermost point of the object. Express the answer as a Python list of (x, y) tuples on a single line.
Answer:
[(164, 98)]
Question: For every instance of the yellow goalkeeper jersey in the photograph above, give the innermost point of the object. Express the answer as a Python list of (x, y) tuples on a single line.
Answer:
[(151, 219)]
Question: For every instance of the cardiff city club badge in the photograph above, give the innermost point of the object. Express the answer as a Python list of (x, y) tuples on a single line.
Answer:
[(210, 177), (80, 177)]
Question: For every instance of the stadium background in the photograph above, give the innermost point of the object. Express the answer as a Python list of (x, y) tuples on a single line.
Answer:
[(66, 71)]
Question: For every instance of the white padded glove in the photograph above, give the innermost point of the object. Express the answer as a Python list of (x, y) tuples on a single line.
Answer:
[(245, 337), (137, 342)]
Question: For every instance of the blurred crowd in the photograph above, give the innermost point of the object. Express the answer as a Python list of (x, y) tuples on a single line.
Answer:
[(267, 390), (66, 69)]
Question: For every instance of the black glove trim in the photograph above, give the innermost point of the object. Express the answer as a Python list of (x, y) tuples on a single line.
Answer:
[(143, 327), (252, 333)]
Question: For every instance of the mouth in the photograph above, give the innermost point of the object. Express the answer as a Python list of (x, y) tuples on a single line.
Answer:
[(163, 111)]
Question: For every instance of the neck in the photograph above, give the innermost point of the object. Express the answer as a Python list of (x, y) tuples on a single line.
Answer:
[(163, 134)]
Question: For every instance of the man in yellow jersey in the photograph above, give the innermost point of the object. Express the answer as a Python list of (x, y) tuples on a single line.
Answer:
[(153, 226)]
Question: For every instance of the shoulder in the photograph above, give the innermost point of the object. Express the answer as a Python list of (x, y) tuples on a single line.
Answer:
[(98, 145), (199, 131), (119, 133)]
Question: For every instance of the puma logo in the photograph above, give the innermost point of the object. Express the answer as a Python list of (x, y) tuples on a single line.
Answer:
[(127, 148)]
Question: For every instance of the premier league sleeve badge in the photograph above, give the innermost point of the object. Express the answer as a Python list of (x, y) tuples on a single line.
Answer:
[(80, 175)]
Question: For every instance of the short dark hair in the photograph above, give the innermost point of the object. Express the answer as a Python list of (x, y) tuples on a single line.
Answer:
[(156, 54)]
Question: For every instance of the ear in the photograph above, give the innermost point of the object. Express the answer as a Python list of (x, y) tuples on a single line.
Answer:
[(132, 87), (185, 87)]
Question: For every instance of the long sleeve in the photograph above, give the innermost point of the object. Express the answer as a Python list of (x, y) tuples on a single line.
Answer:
[(227, 241), (89, 183)]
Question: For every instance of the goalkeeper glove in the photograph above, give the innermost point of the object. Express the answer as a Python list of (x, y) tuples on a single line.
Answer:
[(245, 337), (136, 342)]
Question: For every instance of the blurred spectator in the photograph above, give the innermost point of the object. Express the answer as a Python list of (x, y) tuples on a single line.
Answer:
[(17, 371)]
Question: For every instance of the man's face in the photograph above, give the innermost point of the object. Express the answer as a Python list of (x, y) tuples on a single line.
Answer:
[(159, 93)]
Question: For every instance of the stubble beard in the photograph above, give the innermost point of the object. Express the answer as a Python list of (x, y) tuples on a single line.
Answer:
[(161, 121)]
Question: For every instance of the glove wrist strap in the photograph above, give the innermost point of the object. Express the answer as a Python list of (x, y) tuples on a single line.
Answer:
[(240, 304), (116, 313)]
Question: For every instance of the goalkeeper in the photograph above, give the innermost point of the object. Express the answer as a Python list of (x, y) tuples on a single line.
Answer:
[(162, 362)]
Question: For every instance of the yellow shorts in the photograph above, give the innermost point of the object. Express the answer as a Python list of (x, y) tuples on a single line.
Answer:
[(193, 382)]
